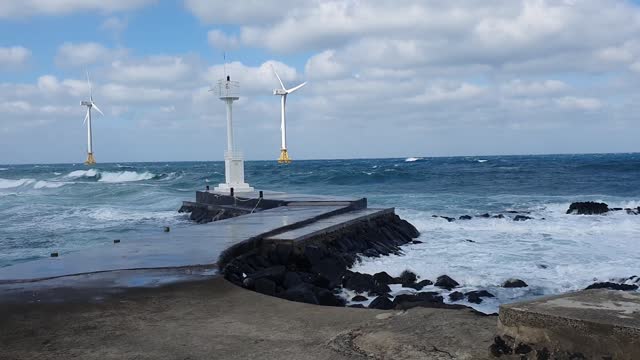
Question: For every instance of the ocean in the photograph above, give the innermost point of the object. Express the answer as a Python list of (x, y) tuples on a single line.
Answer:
[(68, 207)]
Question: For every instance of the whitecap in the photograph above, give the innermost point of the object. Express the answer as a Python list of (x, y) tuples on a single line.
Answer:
[(482, 161), (14, 183), (4, 169), (82, 173), (124, 176), (412, 159), (48, 184)]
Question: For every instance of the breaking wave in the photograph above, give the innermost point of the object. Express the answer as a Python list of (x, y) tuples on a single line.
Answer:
[(112, 177), (42, 184), (13, 183), (412, 159)]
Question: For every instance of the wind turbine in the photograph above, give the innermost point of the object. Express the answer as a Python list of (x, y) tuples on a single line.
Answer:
[(284, 156), (87, 120)]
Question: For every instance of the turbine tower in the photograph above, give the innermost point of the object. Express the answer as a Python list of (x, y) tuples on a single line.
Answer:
[(233, 159), (284, 155), (87, 120)]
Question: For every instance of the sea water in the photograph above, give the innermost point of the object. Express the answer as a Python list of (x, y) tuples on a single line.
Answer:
[(69, 207)]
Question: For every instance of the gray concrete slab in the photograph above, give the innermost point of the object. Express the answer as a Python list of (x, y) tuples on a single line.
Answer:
[(188, 246), (282, 196), (329, 224), (596, 324)]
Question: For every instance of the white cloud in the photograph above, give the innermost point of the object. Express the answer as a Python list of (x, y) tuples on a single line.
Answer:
[(239, 12), (324, 66), (222, 41), (13, 56), (253, 80), (82, 54), (114, 24), (154, 69), (580, 103), (447, 92), (27, 8), (534, 88)]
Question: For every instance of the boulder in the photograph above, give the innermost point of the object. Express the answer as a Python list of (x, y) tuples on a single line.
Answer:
[(419, 285), (327, 298), (446, 282), (291, 279), (381, 303), (274, 273), (522, 218), (358, 306), (384, 278), (485, 215), (359, 298), (612, 286), (475, 297), (423, 299), (265, 286), (587, 208), (416, 242), (456, 296), (449, 219), (514, 283), (360, 282), (301, 293), (465, 217), (407, 277), (331, 268), (499, 216)]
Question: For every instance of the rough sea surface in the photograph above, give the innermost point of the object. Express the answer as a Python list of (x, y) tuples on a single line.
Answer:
[(68, 207)]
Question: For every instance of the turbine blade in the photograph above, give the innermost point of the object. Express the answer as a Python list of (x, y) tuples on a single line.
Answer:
[(86, 117), (90, 89), (275, 72), (296, 88), (96, 107)]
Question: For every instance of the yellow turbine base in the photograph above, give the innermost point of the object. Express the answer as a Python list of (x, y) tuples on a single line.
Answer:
[(284, 157), (90, 159)]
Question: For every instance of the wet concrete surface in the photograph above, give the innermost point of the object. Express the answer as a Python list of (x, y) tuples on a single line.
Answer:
[(214, 319)]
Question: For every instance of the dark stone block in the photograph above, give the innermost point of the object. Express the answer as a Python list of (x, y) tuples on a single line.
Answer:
[(588, 208), (499, 216), (327, 298), (456, 296), (612, 286), (475, 297), (371, 253), (283, 251), (381, 303), (422, 299), (360, 282), (291, 279), (359, 298), (416, 242), (514, 283), (265, 286), (499, 347), (522, 349), (332, 269), (419, 285), (485, 215), (465, 217), (358, 306), (446, 282)]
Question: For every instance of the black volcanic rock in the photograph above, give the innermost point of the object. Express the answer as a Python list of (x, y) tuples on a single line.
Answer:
[(465, 217), (456, 296), (449, 219), (422, 299), (514, 283), (485, 215), (446, 282), (384, 278), (381, 303), (407, 277), (419, 285), (360, 282), (274, 273), (301, 293), (522, 218), (612, 286), (476, 296), (588, 208), (359, 298), (265, 286)]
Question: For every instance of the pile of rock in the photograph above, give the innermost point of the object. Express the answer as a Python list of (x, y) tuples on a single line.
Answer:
[(315, 273), (203, 215)]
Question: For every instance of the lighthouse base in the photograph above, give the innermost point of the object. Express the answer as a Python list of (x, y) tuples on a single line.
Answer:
[(284, 157), (234, 174), (90, 159)]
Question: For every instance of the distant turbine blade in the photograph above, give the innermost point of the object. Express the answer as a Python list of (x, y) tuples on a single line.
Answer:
[(97, 108), (90, 89), (296, 88), (86, 117), (275, 72)]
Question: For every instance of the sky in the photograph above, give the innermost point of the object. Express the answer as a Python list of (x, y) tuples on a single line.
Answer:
[(395, 78)]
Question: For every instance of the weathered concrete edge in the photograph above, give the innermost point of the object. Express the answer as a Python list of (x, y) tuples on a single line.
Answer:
[(333, 228), (256, 241)]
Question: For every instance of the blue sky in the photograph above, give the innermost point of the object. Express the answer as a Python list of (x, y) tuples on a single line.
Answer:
[(386, 78)]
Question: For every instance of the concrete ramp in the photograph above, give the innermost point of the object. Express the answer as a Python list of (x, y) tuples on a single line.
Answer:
[(591, 324)]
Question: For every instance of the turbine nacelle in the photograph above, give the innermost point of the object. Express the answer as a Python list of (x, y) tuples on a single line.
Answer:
[(279, 92), (86, 103)]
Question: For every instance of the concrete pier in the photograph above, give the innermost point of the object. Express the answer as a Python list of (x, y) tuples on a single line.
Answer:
[(591, 324)]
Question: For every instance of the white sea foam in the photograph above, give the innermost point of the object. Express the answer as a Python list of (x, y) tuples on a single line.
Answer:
[(14, 183), (412, 159), (49, 184), (558, 254), (482, 161), (82, 173), (4, 169), (124, 176)]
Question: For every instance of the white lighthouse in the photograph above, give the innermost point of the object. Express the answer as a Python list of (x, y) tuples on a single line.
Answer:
[(233, 159)]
